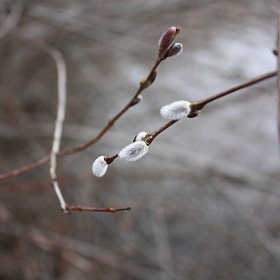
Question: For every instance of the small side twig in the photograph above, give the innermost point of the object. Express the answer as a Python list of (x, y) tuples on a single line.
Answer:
[(25, 168), (93, 209)]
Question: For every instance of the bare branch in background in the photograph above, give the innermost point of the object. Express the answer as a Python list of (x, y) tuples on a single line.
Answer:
[(61, 105), (68, 255), (49, 241), (258, 227), (278, 72)]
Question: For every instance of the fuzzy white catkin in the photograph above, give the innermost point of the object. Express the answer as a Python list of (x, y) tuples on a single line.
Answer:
[(134, 151), (99, 167), (176, 110), (140, 136)]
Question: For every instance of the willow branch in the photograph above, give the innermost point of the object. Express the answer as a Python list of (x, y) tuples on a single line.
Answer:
[(145, 83), (198, 105)]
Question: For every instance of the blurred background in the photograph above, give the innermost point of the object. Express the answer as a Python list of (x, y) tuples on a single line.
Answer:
[(205, 199)]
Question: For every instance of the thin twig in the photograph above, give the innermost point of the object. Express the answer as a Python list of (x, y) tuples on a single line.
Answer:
[(25, 168), (152, 135), (198, 105)]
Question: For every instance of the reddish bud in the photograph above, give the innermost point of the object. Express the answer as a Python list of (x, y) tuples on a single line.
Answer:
[(167, 37)]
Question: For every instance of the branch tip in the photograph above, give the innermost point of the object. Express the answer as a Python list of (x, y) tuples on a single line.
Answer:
[(122, 209)]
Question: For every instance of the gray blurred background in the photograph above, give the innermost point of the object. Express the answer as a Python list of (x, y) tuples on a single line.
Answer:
[(205, 199)]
